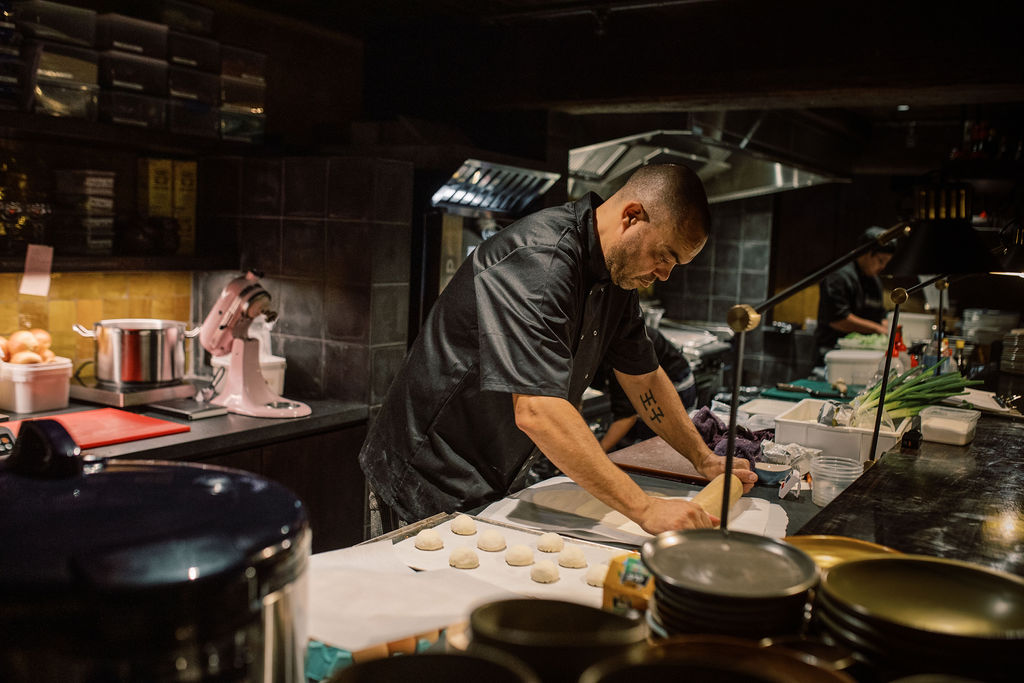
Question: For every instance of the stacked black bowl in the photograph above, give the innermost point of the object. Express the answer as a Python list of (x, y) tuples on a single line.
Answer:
[(730, 583), (905, 615)]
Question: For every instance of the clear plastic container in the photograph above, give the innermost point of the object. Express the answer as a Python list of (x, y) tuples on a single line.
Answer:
[(948, 425), (830, 475)]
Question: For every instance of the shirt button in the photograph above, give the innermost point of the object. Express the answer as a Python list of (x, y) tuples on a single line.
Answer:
[(595, 333), (586, 376), (582, 336)]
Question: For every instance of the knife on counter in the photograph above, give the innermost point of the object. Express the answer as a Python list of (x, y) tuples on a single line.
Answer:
[(811, 392)]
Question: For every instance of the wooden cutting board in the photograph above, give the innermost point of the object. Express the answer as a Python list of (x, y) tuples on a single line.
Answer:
[(657, 458), (105, 426)]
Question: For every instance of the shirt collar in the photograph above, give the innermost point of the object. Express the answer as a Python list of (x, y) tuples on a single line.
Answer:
[(584, 208)]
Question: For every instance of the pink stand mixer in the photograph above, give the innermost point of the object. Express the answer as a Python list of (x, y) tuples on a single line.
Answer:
[(226, 330)]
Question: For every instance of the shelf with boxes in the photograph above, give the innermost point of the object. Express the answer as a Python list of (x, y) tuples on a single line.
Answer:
[(167, 76)]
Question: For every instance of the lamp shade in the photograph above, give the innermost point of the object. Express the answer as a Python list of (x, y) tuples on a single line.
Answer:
[(942, 245)]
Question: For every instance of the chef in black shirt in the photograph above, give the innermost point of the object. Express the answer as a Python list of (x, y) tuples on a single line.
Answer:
[(497, 372), (851, 298)]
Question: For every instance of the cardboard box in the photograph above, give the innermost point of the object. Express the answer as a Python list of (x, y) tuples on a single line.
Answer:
[(156, 187), (184, 205)]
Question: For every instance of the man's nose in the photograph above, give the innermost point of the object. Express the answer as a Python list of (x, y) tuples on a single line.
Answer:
[(663, 272)]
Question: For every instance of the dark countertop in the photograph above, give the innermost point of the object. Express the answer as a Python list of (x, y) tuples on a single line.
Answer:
[(212, 436), (956, 502)]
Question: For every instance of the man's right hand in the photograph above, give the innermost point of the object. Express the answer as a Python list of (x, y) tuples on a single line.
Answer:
[(665, 514)]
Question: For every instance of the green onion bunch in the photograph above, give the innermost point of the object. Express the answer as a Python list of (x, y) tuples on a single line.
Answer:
[(906, 394)]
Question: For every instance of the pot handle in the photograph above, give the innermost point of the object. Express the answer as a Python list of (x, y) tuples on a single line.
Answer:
[(80, 329)]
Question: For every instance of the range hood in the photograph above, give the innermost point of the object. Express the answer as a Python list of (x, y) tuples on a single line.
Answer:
[(729, 169), (480, 188)]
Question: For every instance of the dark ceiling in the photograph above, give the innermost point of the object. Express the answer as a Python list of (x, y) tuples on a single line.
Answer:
[(628, 65)]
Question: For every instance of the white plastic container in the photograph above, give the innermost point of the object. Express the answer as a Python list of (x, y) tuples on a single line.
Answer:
[(271, 367), (35, 387), (854, 366), (949, 425), (916, 326), (800, 425)]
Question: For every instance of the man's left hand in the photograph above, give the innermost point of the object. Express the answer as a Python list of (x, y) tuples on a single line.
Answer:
[(713, 465)]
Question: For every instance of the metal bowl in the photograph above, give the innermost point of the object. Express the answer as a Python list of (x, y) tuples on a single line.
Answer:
[(709, 658), (557, 639)]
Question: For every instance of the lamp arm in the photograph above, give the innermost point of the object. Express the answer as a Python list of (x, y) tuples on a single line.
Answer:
[(743, 318)]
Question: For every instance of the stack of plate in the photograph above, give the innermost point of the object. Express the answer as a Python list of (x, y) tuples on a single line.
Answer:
[(1013, 354), (731, 583), (909, 614)]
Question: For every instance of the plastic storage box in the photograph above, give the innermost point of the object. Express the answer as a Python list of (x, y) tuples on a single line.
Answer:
[(35, 387), (800, 425), (852, 365), (143, 75), (56, 21), (128, 34), (949, 425), (193, 52)]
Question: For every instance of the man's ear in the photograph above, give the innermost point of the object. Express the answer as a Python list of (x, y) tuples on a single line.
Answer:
[(633, 213)]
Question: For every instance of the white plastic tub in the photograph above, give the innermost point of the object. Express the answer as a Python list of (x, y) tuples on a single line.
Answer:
[(949, 425), (800, 425), (35, 387), (854, 366)]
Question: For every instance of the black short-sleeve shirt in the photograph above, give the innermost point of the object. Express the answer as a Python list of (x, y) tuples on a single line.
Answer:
[(531, 311), (847, 290)]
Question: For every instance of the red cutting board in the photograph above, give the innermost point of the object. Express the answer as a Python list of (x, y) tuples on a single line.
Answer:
[(104, 426)]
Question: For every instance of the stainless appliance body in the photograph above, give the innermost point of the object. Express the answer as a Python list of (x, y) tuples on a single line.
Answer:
[(121, 570)]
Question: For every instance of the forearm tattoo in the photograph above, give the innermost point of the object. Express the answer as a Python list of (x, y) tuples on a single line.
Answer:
[(650, 403)]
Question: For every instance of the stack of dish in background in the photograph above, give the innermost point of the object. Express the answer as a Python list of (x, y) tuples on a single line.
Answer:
[(1012, 360), (908, 614), (984, 325), (83, 220), (729, 583)]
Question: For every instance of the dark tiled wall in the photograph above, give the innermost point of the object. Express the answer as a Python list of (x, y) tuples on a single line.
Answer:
[(734, 268), (332, 237)]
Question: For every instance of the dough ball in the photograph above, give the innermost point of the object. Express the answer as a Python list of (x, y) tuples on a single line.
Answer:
[(519, 555), (544, 571), (596, 574), (464, 558), (550, 543), (463, 525), (491, 540), (429, 539), (572, 557)]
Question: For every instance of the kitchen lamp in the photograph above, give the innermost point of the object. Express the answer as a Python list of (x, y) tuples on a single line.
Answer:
[(939, 239)]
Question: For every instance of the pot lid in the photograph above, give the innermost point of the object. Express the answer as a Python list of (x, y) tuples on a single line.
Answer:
[(109, 525)]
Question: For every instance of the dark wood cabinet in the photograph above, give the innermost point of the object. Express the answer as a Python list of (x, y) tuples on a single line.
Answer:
[(323, 471)]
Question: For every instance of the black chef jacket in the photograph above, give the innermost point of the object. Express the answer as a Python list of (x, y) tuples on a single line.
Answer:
[(847, 290), (531, 311)]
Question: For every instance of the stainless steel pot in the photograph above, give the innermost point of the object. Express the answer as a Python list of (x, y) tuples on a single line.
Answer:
[(121, 570), (139, 351)]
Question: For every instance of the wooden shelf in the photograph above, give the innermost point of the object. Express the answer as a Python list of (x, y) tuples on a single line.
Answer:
[(78, 264), (17, 125)]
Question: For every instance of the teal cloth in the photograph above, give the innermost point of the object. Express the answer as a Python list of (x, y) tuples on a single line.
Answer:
[(816, 385), (323, 660)]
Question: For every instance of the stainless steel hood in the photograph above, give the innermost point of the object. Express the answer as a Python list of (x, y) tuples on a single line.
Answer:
[(730, 168), (480, 188)]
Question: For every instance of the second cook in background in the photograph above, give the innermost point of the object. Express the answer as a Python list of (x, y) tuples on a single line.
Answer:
[(850, 299), (501, 364)]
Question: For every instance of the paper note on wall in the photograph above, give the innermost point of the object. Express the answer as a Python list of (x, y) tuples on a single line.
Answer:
[(38, 263)]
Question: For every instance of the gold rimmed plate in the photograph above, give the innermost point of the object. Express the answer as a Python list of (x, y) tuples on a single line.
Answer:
[(828, 551)]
